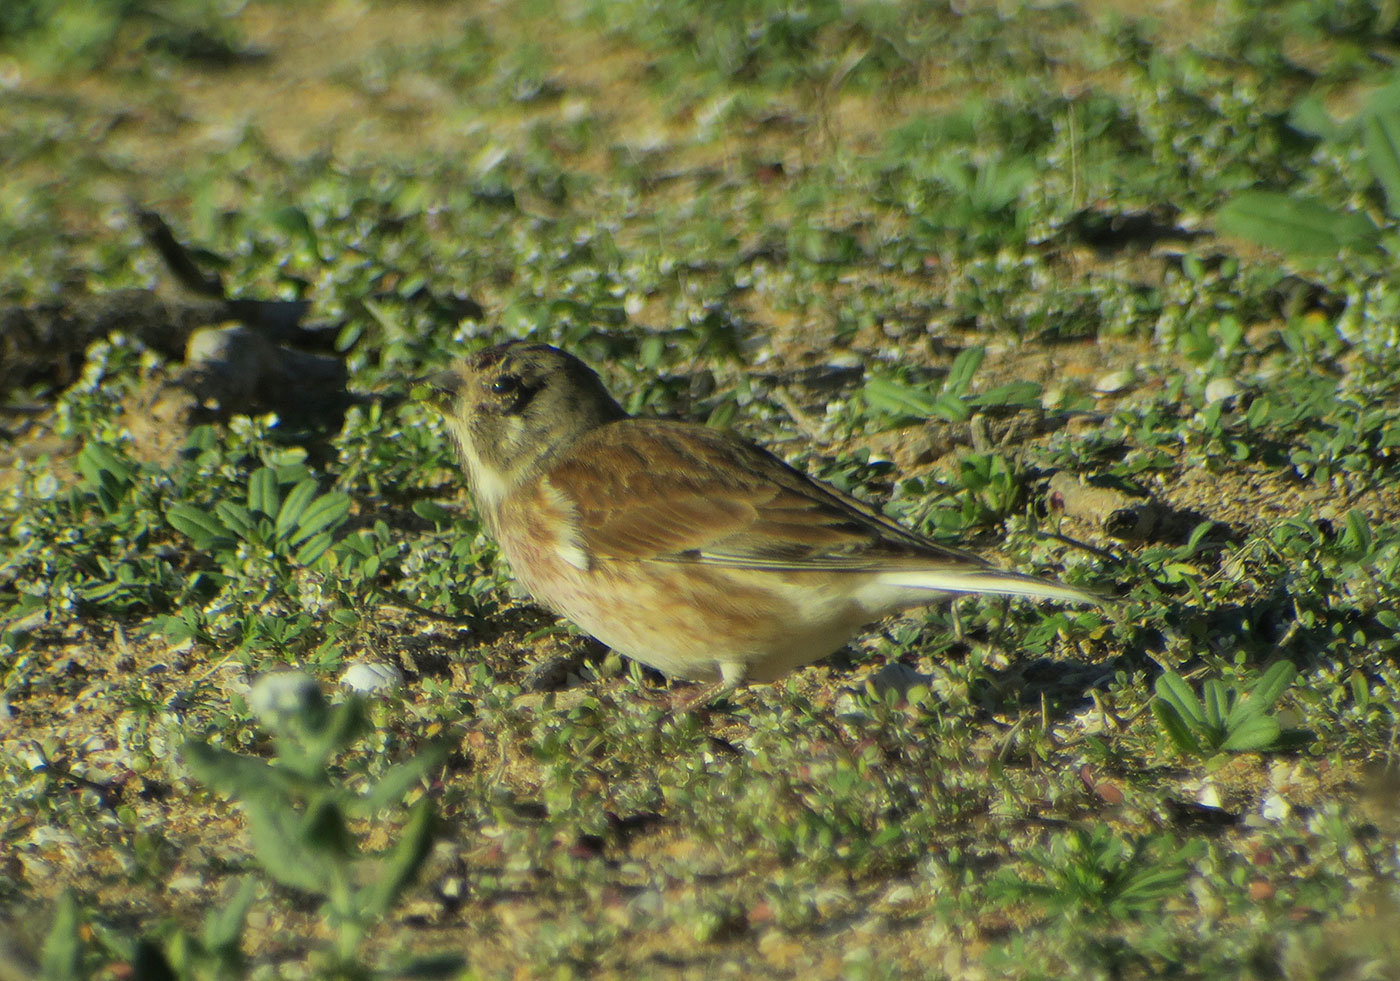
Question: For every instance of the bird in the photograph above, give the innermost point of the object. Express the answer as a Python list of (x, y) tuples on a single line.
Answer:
[(691, 550)]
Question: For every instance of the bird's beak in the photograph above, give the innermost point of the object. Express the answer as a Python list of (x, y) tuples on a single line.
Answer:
[(442, 387)]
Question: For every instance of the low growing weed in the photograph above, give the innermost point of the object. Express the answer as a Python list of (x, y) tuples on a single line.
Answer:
[(1224, 718), (300, 814)]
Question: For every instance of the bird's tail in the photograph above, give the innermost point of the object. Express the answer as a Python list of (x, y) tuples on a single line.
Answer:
[(988, 579)]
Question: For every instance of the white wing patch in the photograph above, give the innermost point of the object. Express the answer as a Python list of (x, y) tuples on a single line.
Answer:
[(569, 546)]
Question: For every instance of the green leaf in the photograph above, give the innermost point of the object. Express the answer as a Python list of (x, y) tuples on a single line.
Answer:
[(1153, 883), (1173, 690), (182, 952), (205, 529), (239, 776), (294, 507), (341, 726), (1216, 703), (276, 834), (62, 955), (403, 863), (237, 519), (1176, 728), (101, 467), (1268, 689), (1193, 541), (1300, 226), (1382, 141), (898, 399), (1309, 115), (294, 222), (1360, 690), (1020, 394), (202, 438), (964, 366), (1255, 733), (1382, 101), (314, 548), (434, 512), (186, 626), (223, 926), (263, 496), (390, 789), (954, 408), (1358, 533), (324, 513)]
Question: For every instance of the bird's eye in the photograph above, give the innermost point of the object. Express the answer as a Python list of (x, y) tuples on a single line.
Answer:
[(505, 385)]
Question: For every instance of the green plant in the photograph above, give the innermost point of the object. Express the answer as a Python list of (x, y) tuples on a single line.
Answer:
[(1095, 873), (62, 34), (214, 953), (297, 527), (62, 956), (951, 399), (1307, 226), (1225, 718), (299, 812), (110, 563)]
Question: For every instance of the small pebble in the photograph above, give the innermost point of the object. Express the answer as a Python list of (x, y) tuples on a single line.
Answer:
[(186, 884), (1274, 808), (372, 676), (1220, 389), (900, 894), (1114, 382)]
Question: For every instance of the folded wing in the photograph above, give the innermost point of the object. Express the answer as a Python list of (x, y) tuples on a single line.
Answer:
[(674, 492)]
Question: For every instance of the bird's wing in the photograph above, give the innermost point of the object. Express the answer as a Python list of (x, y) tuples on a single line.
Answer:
[(650, 489)]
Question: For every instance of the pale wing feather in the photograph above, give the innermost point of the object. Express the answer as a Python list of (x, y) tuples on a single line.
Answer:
[(988, 579)]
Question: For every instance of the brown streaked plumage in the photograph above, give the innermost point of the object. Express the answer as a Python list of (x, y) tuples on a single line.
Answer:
[(688, 549)]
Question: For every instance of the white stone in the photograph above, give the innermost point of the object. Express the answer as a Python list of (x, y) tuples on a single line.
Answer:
[(372, 676), (1220, 389)]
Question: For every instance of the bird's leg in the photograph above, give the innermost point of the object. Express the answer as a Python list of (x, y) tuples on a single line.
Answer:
[(731, 676)]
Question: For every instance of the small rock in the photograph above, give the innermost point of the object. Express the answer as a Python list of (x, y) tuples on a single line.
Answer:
[(372, 676), (1274, 808), (186, 884), (1112, 509), (900, 894), (1220, 389), (1114, 382)]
